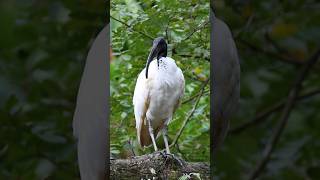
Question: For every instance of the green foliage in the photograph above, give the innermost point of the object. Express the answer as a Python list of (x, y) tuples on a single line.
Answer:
[(43, 47), (185, 26), (293, 29)]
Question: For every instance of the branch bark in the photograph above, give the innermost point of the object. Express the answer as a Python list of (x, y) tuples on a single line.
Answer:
[(156, 166), (293, 94)]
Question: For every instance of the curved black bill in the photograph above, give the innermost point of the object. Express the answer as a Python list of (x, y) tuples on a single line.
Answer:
[(159, 49), (152, 55)]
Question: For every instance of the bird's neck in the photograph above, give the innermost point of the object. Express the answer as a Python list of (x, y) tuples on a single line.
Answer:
[(166, 68), (163, 54)]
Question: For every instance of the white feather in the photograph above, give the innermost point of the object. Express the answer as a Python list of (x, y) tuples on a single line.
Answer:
[(164, 88)]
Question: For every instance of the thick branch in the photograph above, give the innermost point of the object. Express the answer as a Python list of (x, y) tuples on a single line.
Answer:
[(263, 115), (293, 94), (156, 166)]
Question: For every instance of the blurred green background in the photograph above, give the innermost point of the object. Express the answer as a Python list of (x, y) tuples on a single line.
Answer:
[(274, 39), (43, 47), (186, 28)]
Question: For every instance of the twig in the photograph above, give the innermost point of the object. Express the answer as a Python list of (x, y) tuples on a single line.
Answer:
[(174, 52), (194, 31), (167, 28), (284, 116), (194, 96), (192, 77), (260, 50), (245, 27), (197, 29), (191, 56), (131, 147), (275, 107), (190, 114), (179, 150), (274, 44), (132, 28), (269, 53)]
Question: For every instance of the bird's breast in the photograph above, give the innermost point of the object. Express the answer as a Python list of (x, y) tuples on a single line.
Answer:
[(165, 89)]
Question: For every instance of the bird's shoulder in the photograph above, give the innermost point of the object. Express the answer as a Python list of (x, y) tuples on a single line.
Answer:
[(140, 88), (169, 60)]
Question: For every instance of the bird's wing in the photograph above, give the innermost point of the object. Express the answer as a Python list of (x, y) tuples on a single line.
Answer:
[(90, 116), (182, 88), (226, 79), (141, 104)]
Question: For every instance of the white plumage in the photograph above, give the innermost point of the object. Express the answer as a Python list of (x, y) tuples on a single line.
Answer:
[(156, 98), (226, 79)]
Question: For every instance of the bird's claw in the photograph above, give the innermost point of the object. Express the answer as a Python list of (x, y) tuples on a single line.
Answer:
[(165, 156)]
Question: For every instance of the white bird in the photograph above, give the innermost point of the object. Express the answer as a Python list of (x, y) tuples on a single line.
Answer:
[(158, 93), (89, 121), (226, 79)]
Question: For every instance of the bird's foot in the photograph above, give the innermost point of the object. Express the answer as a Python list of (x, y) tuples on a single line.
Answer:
[(166, 156)]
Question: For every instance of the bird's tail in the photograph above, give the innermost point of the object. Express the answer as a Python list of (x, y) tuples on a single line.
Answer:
[(144, 135), (144, 139)]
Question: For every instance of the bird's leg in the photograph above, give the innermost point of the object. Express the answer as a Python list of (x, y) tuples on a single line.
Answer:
[(165, 138), (152, 135)]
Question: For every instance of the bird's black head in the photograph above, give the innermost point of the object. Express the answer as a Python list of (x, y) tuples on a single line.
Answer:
[(159, 49)]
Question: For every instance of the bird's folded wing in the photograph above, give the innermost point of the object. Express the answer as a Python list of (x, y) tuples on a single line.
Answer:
[(90, 116), (141, 104), (226, 79), (182, 84)]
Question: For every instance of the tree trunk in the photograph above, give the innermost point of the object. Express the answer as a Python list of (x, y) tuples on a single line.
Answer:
[(157, 166)]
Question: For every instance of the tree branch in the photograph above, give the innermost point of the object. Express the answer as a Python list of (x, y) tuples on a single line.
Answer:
[(263, 115), (156, 166), (167, 28), (190, 114), (132, 28), (269, 53), (194, 96), (275, 45), (191, 56), (197, 29), (174, 52), (284, 116)]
